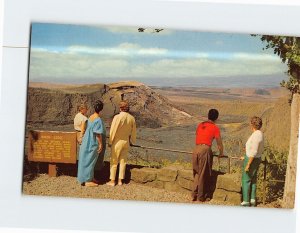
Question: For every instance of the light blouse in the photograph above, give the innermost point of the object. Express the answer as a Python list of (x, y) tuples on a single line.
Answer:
[(255, 144)]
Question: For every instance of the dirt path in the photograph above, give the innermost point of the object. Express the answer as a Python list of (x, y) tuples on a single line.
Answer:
[(68, 186)]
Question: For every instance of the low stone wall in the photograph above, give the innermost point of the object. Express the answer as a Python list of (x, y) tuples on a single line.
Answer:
[(172, 178), (176, 178), (228, 188)]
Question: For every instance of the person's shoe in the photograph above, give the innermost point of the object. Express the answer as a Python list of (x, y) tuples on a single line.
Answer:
[(207, 199), (253, 202), (90, 184), (95, 181), (111, 183), (245, 203), (202, 199), (193, 198)]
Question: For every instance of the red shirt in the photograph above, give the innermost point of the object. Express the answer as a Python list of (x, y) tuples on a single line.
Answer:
[(206, 132)]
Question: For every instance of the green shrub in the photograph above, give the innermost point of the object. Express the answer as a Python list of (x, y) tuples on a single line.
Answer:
[(275, 170)]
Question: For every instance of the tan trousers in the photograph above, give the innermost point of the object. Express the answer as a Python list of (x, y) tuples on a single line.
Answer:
[(202, 170), (119, 152)]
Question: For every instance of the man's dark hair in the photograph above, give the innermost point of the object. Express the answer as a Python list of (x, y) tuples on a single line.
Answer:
[(98, 106), (213, 114)]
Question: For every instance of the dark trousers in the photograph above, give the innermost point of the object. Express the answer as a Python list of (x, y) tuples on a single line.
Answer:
[(202, 170)]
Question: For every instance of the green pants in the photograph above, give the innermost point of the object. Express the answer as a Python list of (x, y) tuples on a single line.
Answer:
[(249, 179)]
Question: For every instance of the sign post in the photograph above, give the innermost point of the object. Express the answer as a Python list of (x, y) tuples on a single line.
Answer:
[(52, 147)]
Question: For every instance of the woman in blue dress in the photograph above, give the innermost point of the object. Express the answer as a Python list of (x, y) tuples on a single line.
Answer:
[(92, 147)]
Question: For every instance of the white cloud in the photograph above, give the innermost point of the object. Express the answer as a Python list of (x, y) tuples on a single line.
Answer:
[(202, 55), (254, 56), (152, 52), (78, 63), (39, 50), (169, 68), (124, 49), (127, 45), (117, 29), (135, 50), (73, 66)]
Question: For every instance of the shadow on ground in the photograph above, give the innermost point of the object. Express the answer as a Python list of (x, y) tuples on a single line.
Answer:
[(33, 169)]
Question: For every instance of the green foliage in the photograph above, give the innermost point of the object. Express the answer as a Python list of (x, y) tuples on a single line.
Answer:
[(288, 49), (275, 170), (292, 84), (274, 156), (156, 30)]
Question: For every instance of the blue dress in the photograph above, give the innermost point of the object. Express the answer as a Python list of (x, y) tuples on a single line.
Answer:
[(88, 154)]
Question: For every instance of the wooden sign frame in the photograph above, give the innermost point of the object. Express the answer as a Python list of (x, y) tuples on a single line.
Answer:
[(52, 146)]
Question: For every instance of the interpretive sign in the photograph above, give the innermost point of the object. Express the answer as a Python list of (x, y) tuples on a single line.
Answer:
[(52, 146)]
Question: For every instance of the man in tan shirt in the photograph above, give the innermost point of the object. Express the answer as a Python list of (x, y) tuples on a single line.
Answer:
[(79, 120), (122, 135)]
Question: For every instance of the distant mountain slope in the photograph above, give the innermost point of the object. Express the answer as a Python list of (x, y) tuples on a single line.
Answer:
[(59, 104), (150, 108), (276, 126), (56, 106)]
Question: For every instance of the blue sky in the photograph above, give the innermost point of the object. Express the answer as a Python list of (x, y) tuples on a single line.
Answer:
[(77, 53)]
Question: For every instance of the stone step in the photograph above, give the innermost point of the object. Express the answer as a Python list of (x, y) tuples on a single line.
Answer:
[(225, 196), (144, 175), (229, 182)]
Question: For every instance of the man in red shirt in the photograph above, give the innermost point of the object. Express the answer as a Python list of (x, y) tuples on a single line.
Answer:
[(206, 132)]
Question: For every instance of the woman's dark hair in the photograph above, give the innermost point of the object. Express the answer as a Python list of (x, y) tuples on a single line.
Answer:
[(98, 106), (213, 114)]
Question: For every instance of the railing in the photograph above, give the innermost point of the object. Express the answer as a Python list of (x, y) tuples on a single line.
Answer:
[(188, 152), (229, 158)]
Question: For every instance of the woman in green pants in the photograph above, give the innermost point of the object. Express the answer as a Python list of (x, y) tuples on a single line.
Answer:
[(254, 150)]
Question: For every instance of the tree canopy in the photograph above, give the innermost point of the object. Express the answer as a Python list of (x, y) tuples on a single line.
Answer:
[(288, 49)]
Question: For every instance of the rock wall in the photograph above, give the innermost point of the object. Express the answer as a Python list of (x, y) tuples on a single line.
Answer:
[(172, 178), (58, 106), (226, 187)]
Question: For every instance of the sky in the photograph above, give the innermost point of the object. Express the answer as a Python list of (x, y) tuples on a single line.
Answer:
[(87, 54)]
